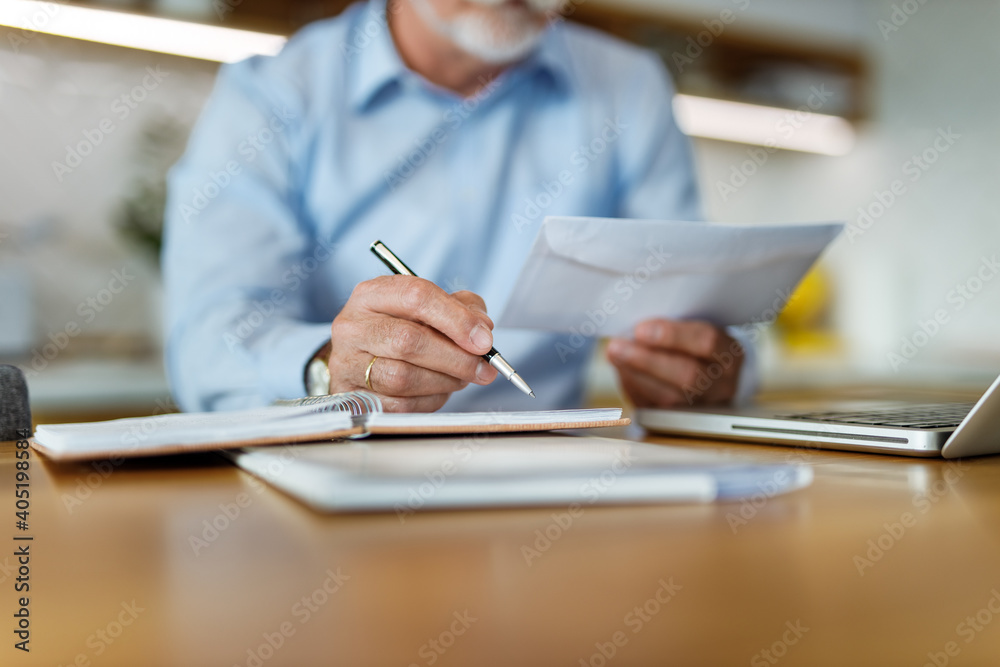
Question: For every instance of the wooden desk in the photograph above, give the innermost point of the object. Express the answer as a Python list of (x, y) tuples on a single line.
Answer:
[(125, 555)]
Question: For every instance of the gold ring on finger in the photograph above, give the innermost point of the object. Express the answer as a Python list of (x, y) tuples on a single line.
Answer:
[(368, 374)]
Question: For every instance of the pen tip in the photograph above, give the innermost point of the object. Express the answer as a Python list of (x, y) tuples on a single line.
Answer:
[(532, 394)]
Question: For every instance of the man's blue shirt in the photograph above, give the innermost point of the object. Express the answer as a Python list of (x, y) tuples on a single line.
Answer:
[(301, 160)]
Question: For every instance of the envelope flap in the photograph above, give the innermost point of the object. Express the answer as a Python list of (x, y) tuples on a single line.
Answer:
[(596, 276), (623, 246)]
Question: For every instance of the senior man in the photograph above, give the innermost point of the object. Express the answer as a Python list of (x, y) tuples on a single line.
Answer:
[(448, 129)]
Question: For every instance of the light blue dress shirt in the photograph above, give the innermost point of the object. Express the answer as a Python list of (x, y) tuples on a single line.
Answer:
[(301, 160)]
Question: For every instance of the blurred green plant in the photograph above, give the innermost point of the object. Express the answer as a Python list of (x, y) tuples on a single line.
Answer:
[(140, 216)]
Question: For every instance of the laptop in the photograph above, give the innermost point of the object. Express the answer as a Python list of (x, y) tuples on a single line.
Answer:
[(949, 430)]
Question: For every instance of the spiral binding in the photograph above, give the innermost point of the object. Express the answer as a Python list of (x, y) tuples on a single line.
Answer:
[(357, 403)]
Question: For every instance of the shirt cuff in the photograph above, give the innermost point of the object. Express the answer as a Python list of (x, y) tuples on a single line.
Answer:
[(283, 364)]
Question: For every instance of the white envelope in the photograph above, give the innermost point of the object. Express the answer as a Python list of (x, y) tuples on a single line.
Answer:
[(601, 276)]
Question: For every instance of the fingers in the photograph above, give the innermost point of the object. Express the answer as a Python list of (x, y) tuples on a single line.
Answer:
[(418, 345), (472, 300), (400, 379), (418, 404), (649, 392), (418, 300), (698, 339), (402, 387), (664, 376), (679, 370), (428, 343)]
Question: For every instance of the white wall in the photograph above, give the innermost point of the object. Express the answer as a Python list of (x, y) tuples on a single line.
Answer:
[(56, 94), (937, 72), (934, 73)]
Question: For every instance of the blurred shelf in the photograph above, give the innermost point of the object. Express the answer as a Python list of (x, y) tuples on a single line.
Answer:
[(722, 56), (728, 61)]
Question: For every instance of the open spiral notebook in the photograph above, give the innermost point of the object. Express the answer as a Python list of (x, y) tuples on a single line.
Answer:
[(352, 414)]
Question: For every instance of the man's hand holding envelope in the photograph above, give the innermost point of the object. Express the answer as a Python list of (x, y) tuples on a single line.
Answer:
[(677, 363), (664, 292)]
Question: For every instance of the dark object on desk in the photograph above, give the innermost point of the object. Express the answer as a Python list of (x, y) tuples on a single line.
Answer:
[(15, 412)]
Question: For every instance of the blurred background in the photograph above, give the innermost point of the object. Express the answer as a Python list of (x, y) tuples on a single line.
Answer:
[(881, 113)]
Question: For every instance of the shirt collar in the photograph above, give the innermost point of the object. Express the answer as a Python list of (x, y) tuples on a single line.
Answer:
[(551, 58), (377, 64)]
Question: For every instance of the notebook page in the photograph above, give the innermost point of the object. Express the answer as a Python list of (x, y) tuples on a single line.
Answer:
[(421, 420), (143, 433)]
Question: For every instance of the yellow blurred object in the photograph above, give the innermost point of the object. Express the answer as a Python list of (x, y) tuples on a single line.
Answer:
[(802, 324), (807, 306)]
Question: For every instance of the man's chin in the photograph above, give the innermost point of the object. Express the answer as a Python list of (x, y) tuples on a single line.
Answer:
[(498, 54), (499, 40), (543, 7), (496, 33)]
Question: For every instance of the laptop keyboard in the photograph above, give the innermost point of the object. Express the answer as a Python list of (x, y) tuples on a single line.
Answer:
[(937, 415)]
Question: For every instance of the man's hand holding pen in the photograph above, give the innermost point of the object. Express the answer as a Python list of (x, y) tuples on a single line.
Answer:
[(411, 342)]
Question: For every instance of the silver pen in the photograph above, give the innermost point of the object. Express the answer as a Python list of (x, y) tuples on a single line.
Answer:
[(397, 266)]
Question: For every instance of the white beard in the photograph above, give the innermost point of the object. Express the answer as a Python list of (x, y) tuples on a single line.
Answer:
[(541, 6), (499, 36)]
